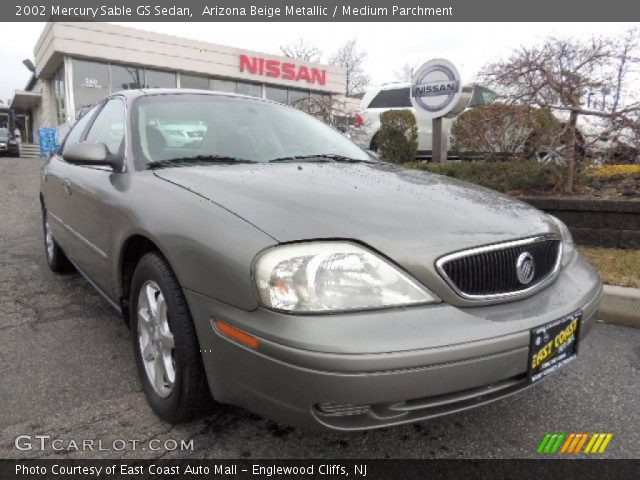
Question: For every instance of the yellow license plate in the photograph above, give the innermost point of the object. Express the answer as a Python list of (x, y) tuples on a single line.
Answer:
[(553, 345)]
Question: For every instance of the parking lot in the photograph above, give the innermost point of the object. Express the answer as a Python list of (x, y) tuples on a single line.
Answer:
[(69, 373)]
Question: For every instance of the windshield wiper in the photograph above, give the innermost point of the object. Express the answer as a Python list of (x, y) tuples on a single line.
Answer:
[(197, 159), (320, 157)]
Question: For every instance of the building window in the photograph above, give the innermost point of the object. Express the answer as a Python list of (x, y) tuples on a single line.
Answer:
[(159, 79), (126, 77), (90, 83), (277, 94), (222, 85), (251, 89), (59, 97), (298, 98), (194, 81)]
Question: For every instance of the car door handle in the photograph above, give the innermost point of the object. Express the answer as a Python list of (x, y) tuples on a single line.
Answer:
[(66, 186)]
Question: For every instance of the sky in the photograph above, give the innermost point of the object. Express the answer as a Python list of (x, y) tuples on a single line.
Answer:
[(388, 45)]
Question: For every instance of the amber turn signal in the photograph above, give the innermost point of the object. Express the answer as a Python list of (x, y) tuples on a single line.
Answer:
[(235, 334)]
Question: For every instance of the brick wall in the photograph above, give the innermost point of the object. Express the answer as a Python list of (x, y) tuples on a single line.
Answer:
[(596, 223)]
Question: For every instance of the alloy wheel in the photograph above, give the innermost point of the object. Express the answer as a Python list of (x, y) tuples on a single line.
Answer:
[(48, 239), (155, 340)]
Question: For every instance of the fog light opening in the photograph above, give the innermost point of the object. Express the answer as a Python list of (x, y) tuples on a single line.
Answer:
[(341, 410)]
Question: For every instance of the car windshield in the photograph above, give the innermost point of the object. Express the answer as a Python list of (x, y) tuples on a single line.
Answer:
[(219, 128), (4, 134)]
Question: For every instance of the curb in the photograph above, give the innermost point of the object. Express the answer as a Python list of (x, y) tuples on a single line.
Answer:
[(620, 306)]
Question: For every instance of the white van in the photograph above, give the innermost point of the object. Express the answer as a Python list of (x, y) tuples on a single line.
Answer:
[(396, 97)]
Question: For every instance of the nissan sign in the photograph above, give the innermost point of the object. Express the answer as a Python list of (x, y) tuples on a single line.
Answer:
[(284, 70), (436, 89)]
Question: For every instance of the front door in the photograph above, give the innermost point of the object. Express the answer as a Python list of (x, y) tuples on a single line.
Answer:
[(91, 187), (24, 125)]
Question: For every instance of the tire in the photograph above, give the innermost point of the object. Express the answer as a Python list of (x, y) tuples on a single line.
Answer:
[(56, 259), (165, 343), (374, 146)]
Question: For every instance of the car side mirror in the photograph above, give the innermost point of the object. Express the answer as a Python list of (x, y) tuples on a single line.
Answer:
[(88, 153)]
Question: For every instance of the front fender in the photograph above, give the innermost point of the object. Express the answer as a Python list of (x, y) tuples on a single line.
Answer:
[(209, 248)]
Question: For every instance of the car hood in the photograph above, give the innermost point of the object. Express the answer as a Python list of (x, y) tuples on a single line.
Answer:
[(411, 216)]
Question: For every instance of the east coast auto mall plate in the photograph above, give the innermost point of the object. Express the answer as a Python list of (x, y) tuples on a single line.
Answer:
[(553, 345)]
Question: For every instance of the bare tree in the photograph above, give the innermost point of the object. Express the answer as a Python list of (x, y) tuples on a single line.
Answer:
[(349, 58), (321, 107), (627, 49), (301, 50), (333, 111), (563, 75), (405, 74), (498, 131)]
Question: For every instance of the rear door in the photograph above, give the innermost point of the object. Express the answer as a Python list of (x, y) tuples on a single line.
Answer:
[(56, 187)]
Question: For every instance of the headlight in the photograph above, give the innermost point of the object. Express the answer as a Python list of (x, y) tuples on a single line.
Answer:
[(332, 276), (568, 247)]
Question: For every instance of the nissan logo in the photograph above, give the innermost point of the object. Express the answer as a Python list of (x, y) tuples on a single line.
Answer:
[(436, 88), (443, 88), (525, 268)]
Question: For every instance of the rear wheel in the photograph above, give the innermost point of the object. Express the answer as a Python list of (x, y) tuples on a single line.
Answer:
[(56, 259), (165, 343)]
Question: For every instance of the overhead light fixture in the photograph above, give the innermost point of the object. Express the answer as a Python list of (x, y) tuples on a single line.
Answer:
[(29, 64)]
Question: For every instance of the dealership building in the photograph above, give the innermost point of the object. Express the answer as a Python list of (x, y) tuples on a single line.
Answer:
[(77, 64)]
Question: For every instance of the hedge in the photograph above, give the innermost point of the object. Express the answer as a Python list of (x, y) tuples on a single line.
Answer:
[(398, 136), (513, 176)]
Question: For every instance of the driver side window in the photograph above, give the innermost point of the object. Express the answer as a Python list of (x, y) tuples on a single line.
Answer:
[(78, 129), (108, 127)]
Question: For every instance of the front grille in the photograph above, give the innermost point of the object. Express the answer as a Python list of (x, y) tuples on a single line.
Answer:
[(490, 272), (462, 398), (385, 414)]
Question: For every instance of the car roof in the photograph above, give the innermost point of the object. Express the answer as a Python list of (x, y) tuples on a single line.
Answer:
[(144, 92)]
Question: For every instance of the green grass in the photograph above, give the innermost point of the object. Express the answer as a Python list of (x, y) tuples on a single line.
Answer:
[(616, 267)]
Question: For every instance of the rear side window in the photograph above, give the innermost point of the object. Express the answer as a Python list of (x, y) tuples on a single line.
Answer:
[(395, 98), (482, 96), (75, 134)]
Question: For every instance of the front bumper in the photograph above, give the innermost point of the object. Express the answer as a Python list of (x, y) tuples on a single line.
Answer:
[(374, 369)]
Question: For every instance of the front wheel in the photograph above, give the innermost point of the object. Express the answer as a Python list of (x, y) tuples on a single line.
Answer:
[(374, 146), (165, 343)]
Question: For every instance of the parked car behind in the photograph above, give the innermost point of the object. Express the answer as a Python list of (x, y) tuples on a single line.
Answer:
[(9, 145), (396, 97), (177, 135), (276, 266)]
